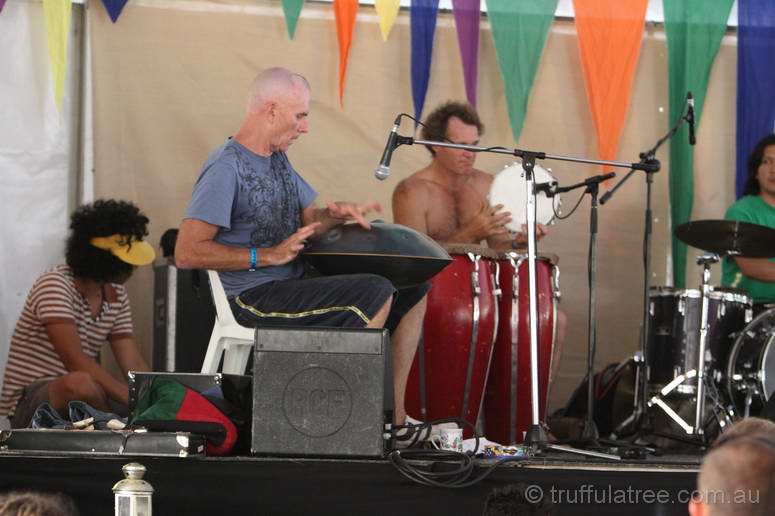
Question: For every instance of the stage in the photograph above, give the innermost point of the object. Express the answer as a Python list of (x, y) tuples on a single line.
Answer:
[(271, 485)]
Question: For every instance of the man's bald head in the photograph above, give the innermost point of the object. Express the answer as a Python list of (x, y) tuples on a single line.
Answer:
[(738, 477), (272, 85)]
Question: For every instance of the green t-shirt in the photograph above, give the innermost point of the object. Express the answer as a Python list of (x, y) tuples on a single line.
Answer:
[(751, 208)]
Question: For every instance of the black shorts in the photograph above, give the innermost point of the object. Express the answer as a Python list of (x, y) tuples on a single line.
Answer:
[(348, 301)]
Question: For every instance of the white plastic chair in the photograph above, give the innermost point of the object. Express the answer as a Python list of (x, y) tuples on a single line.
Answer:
[(229, 337)]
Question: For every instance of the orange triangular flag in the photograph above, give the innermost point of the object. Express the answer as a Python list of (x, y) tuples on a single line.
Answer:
[(610, 36), (345, 12)]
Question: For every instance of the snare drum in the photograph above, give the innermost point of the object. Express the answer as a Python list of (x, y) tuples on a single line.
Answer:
[(509, 189), (448, 375), (751, 370), (674, 333), (507, 403)]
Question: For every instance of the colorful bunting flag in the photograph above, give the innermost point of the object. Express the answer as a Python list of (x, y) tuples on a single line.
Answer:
[(2, 4), (423, 22), (387, 11), (345, 12), (292, 10), (694, 29), (519, 31), (755, 101), (467, 16), (610, 36), (114, 8), (56, 13)]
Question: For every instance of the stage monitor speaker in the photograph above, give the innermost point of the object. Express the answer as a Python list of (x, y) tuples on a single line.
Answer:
[(183, 318), (321, 391)]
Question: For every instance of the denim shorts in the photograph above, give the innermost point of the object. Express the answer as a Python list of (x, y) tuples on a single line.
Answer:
[(348, 301)]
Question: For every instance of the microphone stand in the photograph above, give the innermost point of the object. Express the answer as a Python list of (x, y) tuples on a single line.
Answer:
[(536, 437), (648, 157)]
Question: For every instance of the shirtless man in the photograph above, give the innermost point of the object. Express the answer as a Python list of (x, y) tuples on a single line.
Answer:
[(447, 200)]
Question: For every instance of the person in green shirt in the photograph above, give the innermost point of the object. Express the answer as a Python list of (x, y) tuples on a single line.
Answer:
[(757, 205)]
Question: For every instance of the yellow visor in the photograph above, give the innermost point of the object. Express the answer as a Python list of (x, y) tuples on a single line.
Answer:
[(138, 252)]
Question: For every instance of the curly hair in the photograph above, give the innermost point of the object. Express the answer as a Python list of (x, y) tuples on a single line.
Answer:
[(99, 219), (436, 123), (31, 503), (754, 160)]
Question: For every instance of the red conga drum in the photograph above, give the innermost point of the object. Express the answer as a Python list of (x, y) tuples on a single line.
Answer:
[(508, 404), (449, 372)]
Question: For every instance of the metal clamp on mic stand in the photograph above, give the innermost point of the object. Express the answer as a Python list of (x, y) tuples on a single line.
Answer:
[(536, 437), (651, 166)]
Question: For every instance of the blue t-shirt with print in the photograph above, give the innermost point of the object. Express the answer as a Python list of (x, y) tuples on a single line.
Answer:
[(256, 201)]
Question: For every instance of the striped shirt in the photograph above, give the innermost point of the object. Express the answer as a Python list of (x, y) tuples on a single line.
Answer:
[(54, 299)]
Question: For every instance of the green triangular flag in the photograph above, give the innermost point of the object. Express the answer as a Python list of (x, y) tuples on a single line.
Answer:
[(519, 30), (292, 9), (694, 29)]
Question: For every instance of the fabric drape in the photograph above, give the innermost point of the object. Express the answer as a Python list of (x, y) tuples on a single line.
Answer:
[(423, 21), (694, 29), (114, 8), (292, 10), (519, 31), (387, 10), (755, 79), (467, 17), (610, 35), (344, 12), (57, 16)]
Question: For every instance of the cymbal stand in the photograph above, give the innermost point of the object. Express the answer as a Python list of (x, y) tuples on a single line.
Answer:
[(641, 390)]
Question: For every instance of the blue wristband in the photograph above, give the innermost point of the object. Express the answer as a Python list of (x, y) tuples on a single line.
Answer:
[(253, 258)]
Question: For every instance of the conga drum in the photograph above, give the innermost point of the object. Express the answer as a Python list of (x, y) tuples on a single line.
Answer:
[(449, 373), (508, 403)]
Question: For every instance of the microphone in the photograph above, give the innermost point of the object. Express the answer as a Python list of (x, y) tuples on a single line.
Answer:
[(588, 181), (383, 170), (690, 118)]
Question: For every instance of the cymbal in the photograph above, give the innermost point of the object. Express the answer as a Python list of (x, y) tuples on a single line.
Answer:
[(729, 237), (404, 256)]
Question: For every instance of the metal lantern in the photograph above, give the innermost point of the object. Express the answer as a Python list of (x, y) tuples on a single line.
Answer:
[(133, 494)]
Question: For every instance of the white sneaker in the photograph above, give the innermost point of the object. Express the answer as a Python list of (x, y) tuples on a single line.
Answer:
[(414, 431)]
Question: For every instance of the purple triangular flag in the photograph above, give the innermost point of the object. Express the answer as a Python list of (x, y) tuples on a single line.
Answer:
[(423, 21), (114, 8), (467, 16), (2, 3)]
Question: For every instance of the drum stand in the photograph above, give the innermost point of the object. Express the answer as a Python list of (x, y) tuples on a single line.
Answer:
[(536, 437), (700, 373)]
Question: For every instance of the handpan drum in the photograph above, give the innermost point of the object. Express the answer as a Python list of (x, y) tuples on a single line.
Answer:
[(508, 402), (448, 376), (509, 189), (404, 256)]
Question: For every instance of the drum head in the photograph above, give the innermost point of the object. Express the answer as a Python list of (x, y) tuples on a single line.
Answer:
[(477, 250), (509, 189)]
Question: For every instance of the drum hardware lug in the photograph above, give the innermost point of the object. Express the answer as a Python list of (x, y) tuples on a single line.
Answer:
[(638, 356), (682, 306), (748, 315), (651, 309)]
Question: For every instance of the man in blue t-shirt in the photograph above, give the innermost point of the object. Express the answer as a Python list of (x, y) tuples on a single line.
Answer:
[(250, 214), (755, 275)]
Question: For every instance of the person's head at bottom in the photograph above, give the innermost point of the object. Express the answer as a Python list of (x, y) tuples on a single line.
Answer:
[(33, 503), (737, 478)]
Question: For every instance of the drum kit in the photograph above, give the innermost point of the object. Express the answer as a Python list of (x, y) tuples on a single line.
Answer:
[(704, 348)]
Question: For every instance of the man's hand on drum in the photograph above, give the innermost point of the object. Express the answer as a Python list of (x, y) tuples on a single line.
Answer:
[(343, 211), (289, 248), (520, 240), (488, 223)]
